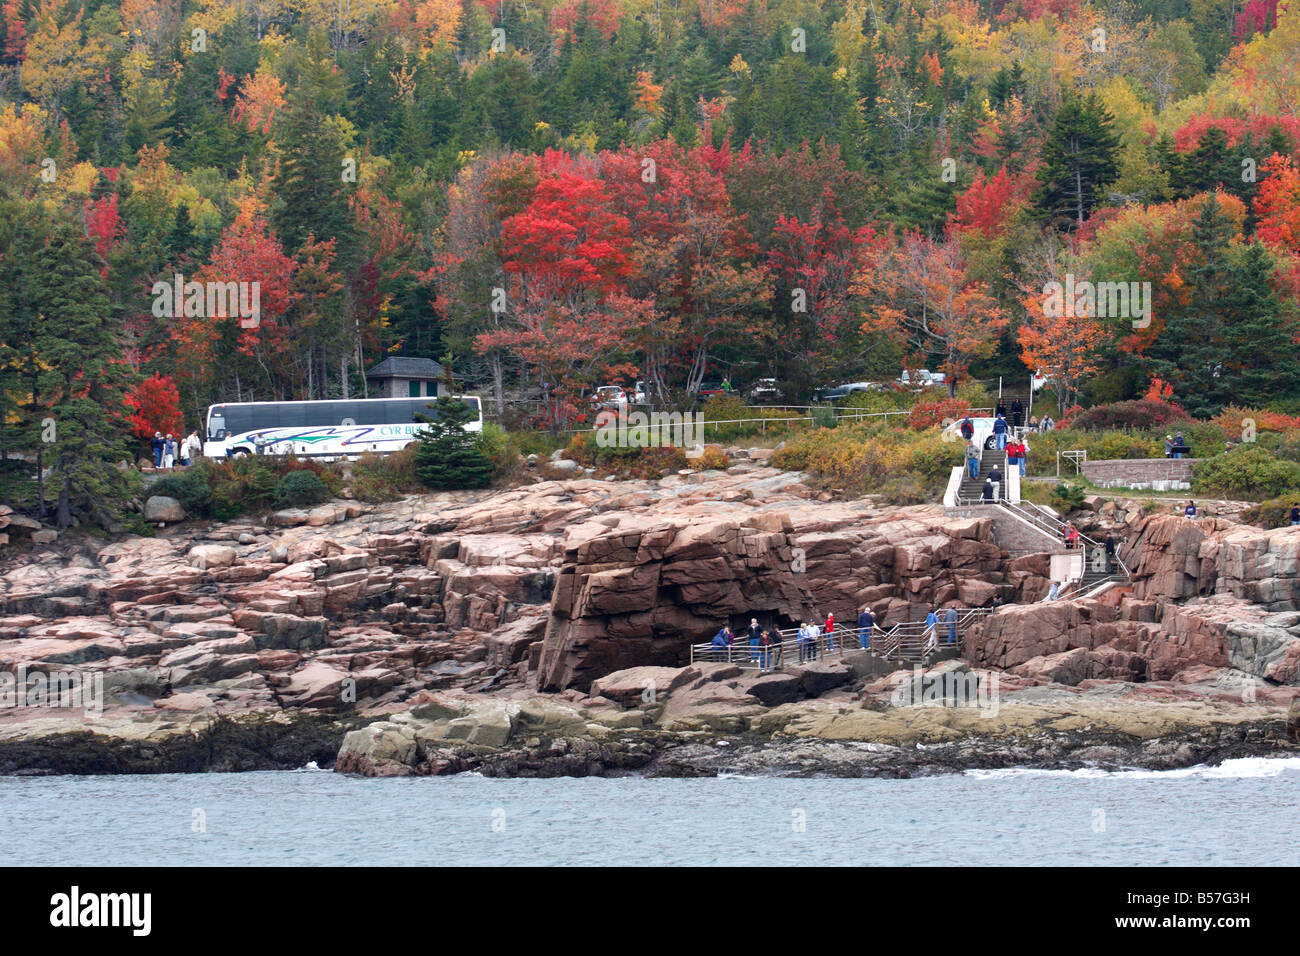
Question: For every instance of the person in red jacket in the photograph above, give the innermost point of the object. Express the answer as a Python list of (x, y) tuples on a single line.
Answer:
[(830, 631)]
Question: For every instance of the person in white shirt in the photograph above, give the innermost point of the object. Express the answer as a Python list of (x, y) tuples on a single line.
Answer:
[(192, 449)]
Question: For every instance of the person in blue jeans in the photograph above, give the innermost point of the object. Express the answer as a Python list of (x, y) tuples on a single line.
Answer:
[(1000, 432), (866, 621), (973, 460), (950, 618)]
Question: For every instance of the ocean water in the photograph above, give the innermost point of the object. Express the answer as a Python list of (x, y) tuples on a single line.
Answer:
[(1240, 813)]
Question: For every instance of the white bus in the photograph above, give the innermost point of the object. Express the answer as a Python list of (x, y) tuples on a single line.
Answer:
[(330, 429)]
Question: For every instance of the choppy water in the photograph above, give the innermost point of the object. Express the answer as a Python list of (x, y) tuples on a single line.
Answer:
[(1242, 813)]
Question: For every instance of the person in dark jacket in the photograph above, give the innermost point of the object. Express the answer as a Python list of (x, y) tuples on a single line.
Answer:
[(1295, 515), (1017, 413), (755, 640), (950, 619), (995, 476), (967, 428), (1110, 552), (722, 643), (986, 493), (1190, 510), (1000, 431), (866, 621), (158, 444), (1001, 410)]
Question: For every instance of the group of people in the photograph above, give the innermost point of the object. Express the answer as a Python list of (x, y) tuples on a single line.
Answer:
[(814, 639), (1017, 411), (1176, 446), (167, 453)]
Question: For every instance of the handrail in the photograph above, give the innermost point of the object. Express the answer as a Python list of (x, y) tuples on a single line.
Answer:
[(900, 642)]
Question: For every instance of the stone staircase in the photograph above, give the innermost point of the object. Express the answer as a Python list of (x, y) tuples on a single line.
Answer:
[(972, 488)]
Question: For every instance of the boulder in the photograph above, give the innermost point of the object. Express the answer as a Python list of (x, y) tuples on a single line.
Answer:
[(162, 508)]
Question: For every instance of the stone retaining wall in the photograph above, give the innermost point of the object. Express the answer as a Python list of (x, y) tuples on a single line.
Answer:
[(1157, 474)]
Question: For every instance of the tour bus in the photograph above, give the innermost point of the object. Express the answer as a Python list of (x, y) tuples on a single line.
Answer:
[(330, 429)]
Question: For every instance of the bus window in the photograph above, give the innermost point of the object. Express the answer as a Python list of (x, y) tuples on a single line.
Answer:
[(423, 406), (216, 424)]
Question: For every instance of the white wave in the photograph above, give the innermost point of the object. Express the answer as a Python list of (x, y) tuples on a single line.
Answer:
[(310, 767), (1238, 769)]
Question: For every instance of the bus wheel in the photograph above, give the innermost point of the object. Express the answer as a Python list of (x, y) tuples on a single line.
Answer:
[(239, 453)]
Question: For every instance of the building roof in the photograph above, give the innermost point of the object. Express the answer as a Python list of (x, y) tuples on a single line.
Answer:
[(400, 366)]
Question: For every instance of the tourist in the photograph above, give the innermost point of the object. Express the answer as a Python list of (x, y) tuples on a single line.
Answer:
[(1110, 547), (1013, 455), (765, 650), (1017, 413), (1180, 445), (814, 636), (191, 449), (995, 476), (950, 618), (866, 621), (967, 428), (1053, 591), (778, 650), (169, 452), (805, 642), (1048, 423), (1190, 510), (931, 630), (997, 602), (157, 446), (830, 631), (1033, 424), (755, 640), (987, 493), (1169, 446), (973, 460), (1001, 410), (1000, 432), (1071, 535), (1022, 455), (1295, 515), (722, 644)]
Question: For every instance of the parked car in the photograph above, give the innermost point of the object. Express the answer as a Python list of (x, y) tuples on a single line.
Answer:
[(983, 436), (709, 389), (843, 391), (609, 396), (922, 378), (765, 390)]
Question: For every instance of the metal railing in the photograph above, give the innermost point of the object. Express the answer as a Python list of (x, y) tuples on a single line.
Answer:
[(910, 641), (815, 414)]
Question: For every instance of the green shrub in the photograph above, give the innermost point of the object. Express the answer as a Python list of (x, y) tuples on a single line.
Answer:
[(1248, 471), (872, 459), (191, 487), (242, 485), (447, 456), (300, 489), (499, 448), (1274, 513), (1100, 446), (1067, 497)]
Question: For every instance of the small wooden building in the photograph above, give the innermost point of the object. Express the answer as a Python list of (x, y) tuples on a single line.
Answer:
[(400, 377)]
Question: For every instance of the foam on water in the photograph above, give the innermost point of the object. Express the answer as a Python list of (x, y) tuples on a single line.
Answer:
[(1239, 769)]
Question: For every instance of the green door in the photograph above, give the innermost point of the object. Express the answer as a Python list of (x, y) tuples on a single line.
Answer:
[(413, 389)]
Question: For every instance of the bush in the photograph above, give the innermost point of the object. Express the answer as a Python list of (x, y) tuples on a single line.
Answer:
[(1248, 471), (500, 449), (711, 458), (191, 488), (243, 484), (447, 456), (1274, 513), (1140, 413), (626, 462), (1067, 497), (377, 478), (301, 488), (862, 459), (1100, 446)]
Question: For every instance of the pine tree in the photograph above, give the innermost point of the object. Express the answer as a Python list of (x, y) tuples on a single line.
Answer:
[(446, 455), (1079, 161)]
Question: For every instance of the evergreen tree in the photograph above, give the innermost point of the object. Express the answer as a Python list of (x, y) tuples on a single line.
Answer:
[(1079, 161), (446, 455)]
